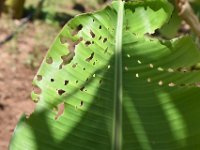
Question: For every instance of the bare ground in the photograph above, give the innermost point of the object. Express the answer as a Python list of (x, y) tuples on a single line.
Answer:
[(19, 60)]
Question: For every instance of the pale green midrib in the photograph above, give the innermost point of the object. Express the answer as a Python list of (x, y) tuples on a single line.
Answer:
[(117, 123)]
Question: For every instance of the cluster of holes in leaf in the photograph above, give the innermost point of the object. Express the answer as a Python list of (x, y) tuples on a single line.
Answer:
[(66, 59), (79, 28)]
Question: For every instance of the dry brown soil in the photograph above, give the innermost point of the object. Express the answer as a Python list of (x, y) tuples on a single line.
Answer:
[(16, 73)]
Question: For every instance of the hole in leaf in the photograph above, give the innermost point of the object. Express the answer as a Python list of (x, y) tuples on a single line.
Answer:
[(87, 43), (66, 82), (76, 81), (82, 88), (105, 39), (78, 28), (49, 60), (81, 105), (100, 37), (90, 58), (63, 39), (92, 34), (39, 77), (94, 75), (36, 90), (72, 44), (74, 65), (149, 80), (61, 92), (100, 27), (61, 109), (52, 80), (108, 66), (66, 59)]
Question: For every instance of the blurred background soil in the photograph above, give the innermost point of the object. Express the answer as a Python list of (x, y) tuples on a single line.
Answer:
[(21, 56)]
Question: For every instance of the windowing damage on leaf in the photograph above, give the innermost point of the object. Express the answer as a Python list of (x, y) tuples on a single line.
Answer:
[(192, 68)]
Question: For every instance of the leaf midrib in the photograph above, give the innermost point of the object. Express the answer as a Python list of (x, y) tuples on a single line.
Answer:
[(117, 123)]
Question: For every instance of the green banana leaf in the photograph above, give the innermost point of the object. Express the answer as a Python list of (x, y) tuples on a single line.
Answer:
[(107, 84)]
